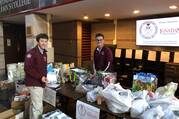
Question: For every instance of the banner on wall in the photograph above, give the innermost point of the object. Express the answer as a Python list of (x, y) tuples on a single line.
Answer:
[(8, 7), (158, 32), (46, 3)]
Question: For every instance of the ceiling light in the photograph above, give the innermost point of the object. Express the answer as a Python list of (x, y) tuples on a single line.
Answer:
[(107, 15), (173, 7), (136, 11), (85, 17)]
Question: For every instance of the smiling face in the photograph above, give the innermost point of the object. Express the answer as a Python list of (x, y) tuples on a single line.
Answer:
[(100, 41), (42, 43)]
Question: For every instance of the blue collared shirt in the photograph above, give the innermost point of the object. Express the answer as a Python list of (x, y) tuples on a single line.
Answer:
[(41, 50)]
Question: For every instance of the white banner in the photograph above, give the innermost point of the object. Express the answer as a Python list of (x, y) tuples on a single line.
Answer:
[(86, 111), (50, 96), (158, 32)]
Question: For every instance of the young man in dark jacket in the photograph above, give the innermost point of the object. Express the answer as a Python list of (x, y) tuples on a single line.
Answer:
[(103, 57), (35, 75)]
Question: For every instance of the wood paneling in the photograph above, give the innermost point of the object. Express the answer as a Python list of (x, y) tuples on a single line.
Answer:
[(65, 42), (86, 42)]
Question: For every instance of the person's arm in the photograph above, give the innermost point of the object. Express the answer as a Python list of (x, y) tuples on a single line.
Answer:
[(109, 58), (94, 69), (107, 67), (29, 67)]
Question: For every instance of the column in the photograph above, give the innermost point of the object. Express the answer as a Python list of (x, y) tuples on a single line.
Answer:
[(2, 58), (35, 24)]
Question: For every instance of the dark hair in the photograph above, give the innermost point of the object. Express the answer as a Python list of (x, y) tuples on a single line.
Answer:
[(100, 34), (41, 35)]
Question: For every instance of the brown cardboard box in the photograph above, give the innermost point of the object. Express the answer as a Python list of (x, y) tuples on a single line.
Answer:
[(18, 105), (18, 116), (8, 114), (7, 85)]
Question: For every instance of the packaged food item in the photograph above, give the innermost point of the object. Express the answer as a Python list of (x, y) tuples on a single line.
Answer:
[(144, 81)]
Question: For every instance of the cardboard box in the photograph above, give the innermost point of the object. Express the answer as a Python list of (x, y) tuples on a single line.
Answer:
[(18, 105), (8, 114), (7, 85), (18, 116)]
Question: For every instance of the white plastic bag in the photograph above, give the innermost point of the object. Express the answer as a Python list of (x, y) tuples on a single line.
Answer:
[(138, 107), (170, 113), (140, 94), (91, 95), (164, 102), (153, 113), (117, 99)]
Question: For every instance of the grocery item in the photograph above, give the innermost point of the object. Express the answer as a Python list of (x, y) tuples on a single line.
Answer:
[(144, 81)]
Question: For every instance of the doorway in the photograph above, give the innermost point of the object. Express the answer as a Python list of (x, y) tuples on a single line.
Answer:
[(14, 42)]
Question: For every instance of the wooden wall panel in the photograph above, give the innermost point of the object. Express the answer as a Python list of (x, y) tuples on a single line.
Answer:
[(105, 28), (65, 42)]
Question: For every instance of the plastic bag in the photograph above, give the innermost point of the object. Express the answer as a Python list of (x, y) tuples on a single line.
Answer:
[(140, 94), (168, 90), (170, 113), (83, 88), (153, 113), (138, 107), (91, 95), (117, 99)]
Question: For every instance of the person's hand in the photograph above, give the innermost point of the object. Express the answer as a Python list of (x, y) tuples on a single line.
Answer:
[(44, 80), (94, 72), (92, 76)]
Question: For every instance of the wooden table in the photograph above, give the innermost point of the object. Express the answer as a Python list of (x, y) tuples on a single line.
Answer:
[(67, 97), (68, 90)]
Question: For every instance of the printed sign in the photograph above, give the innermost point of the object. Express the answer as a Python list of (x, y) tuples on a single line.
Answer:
[(86, 111), (158, 32), (50, 96)]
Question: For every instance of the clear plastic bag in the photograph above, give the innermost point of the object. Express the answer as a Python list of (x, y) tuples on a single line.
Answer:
[(168, 90)]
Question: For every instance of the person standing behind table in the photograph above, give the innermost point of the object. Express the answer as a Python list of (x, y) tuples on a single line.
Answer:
[(35, 67), (103, 57)]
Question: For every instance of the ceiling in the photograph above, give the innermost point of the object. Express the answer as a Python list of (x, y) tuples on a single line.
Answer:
[(95, 9)]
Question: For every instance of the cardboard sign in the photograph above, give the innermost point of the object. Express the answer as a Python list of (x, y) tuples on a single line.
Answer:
[(176, 57), (128, 53), (118, 53), (152, 55), (165, 56), (50, 96), (86, 111), (138, 54)]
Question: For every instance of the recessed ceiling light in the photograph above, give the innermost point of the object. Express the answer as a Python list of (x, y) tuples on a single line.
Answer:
[(107, 15), (136, 11), (85, 17), (173, 7)]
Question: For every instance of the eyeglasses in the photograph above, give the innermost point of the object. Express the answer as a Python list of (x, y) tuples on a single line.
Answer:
[(99, 39)]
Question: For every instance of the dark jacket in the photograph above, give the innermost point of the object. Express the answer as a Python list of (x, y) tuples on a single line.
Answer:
[(102, 58), (35, 67)]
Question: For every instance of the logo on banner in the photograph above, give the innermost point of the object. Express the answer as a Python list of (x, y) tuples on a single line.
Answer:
[(148, 30), (81, 110)]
